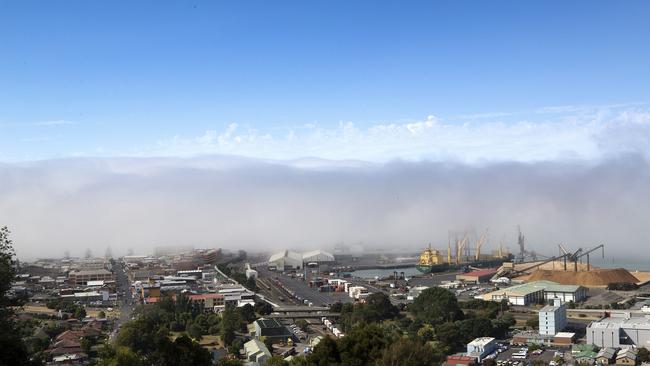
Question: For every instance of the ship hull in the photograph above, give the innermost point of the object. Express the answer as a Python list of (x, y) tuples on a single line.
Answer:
[(434, 268)]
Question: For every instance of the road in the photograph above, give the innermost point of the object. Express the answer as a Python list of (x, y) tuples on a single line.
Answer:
[(125, 301)]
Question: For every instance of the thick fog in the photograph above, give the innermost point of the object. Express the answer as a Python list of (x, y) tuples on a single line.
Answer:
[(218, 201)]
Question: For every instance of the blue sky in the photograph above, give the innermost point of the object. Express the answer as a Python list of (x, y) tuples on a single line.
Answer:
[(363, 80)]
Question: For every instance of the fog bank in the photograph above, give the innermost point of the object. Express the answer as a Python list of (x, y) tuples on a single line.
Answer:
[(238, 203)]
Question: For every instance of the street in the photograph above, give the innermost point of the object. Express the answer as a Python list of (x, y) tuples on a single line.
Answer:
[(124, 299)]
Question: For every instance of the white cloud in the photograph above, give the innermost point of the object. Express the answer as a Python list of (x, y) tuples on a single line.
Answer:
[(576, 133)]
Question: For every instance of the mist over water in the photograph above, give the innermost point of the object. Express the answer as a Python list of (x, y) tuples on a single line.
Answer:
[(259, 205)]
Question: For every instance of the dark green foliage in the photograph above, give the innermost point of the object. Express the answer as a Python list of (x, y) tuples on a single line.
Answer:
[(80, 313), (247, 313), (407, 352), (230, 323), (450, 335), (194, 331), (13, 350), (147, 337), (235, 346), (502, 325), (276, 361), (435, 305), (377, 308), (229, 362), (363, 345), (263, 308), (67, 306), (326, 353)]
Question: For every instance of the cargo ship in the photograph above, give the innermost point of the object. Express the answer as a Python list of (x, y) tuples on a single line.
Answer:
[(431, 261)]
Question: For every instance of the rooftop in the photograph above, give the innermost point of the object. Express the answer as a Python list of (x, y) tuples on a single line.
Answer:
[(565, 335), (622, 322), (536, 286), (481, 342), (90, 272), (481, 272), (268, 323)]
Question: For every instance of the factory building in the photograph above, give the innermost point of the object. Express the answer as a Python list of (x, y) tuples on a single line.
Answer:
[(257, 352), (318, 257), (479, 276), (285, 261), (552, 318), (620, 331), (271, 329), (565, 293), (288, 260), (481, 347), (537, 292)]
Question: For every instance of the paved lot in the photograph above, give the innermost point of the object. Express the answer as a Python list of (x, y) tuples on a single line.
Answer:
[(546, 356), (302, 290)]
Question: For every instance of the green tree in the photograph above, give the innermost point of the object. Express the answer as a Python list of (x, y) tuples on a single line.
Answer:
[(247, 313), (474, 328), (643, 354), (80, 312), (121, 356), (426, 333), (13, 350), (533, 322), (194, 331), (276, 361), (229, 362), (326, 353), (449, 335), (435, 305), (407, 352), (230, 322), (363, 345), (235, 347), (263, 308), (101, 314), (378, 307)]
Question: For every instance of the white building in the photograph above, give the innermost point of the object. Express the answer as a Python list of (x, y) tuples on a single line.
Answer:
[(537, 292), (286, 260), (619, 331), (256, 351), (317, 257), (481, 347), (552, 318)]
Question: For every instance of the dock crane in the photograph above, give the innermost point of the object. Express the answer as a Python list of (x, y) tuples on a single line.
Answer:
[(514, 272), (459, 248), (479, 243), (601, 246), (575, 256)]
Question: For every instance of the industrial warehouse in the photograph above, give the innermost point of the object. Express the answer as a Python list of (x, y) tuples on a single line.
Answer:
[(288, 260), (537, 292)]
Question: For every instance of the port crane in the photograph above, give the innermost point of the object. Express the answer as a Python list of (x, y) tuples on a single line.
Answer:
[(479, 243), (460, 245), (575, 256)]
